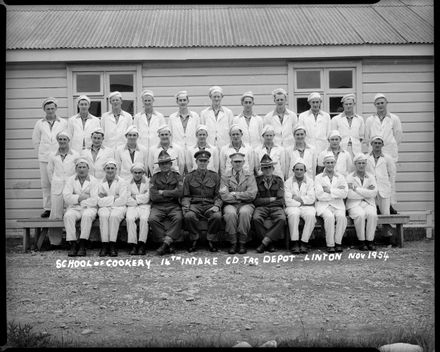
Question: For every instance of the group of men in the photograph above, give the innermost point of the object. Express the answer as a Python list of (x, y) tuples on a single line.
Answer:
[(240, 170)]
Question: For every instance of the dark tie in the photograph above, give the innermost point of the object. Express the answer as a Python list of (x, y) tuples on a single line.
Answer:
[(237, 177)]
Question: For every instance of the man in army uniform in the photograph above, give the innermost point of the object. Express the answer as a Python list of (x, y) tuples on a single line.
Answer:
[(166, 188), (269, 204), (201, 200), (238, 190)]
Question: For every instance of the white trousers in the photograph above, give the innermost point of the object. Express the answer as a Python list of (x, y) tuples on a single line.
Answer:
[(109, 220), (141, 212), (383, 204), (331, 215), (45, 185), (87, 215), (363, 215), (293, 215)]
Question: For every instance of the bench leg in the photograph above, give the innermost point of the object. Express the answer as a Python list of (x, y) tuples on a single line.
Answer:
[(399, 228), (26, 239)]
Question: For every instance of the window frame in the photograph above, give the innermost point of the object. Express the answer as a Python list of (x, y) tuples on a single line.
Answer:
[(326, 66), (105, 71)]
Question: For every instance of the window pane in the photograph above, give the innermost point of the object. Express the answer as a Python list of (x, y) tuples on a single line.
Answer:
[(121, 83), (341, 79), (308, 79), (302, 105), (127, 105), (95, 108), (335, 106), (88, 83)]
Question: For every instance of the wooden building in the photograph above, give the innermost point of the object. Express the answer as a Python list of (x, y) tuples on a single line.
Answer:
[(65, 51)]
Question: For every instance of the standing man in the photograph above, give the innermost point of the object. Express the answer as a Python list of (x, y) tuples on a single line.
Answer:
[(236, 146), (81, 196), (183, 123), (344, 163), (138, 207), (45, 142), (276, 153), (166, 188), (389, 127), (269, 204), (112, 200), (351, 126), (130, 153), (361, 206), (282, 119), (250, 123), (97, 154), (60, 167), (331, 189), (217, 118), (238, 190), (202, 144), (148, 121), (115, 122), (174, 150), (81, 125), (316, 122), (301, 149), (299, 195), (201, 200)]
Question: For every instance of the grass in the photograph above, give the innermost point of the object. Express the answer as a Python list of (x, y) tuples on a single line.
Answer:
[(422, 335)]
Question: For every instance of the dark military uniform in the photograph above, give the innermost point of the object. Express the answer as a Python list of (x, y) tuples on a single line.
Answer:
[(200, 193), (166, 205), (265, 209)]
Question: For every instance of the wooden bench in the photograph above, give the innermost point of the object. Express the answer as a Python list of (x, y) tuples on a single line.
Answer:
[(38, 224)]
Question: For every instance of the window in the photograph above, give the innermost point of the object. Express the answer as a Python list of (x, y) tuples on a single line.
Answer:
[(98, 82), (331, 79)]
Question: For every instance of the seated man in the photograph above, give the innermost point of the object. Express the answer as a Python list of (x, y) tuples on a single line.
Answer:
[(331, 189), (80, 194), (238, 190), (361, 206), (201, 200), (112, 200), (299, 195), (138, 207), (269, 204), (166, 188)]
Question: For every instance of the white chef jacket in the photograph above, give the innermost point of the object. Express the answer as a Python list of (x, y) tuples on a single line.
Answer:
[(96, 167), (184, 138), (72, 190), (306, 191), (148, 135), (353, 133), (344, 163), (284, 131), (116, 195), (138, 197), (316, 130), (252, 131), (59, 170), (336, 195), (44, 138), (309, 156), (384, 171), (81, 136), (122, 156), (362, 193), (218, 129), (114, 133)]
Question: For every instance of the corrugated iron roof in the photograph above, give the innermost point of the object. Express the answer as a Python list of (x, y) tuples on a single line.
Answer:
[(186, 26)]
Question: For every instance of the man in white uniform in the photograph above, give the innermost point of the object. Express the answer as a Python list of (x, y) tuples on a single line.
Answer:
[(112, 200), (316, 122), (299, 196), (250, 123), (81, 197), (350, 125), (115, 122), (148, 121), (389, 127), (361, 206), (45, 142), (130, 153), (97, 154), (202, 144), (282, 119), (344, 163), (81, 125), (138, 207), (331, 189), (276, 153), (217, 118), (301, 149)]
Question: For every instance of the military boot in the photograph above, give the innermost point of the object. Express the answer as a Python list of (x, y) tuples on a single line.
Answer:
[(73, 250), (104, 249), (82, 248), (164, 248), (141, 250), (295, 248), (113, 251), (133, 250), (242, 249)]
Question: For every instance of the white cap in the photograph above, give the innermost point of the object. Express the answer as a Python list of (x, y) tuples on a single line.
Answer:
[(235, 127), (267, 128), (97, 130), (329, 156), (247, 95), (65, 134), (348, 96), (182, 92), (81, 160), (359, 156), (83, 97), (202, 127), (114, 94), (214, 89), (147, 92), (48, 101), (376, 137), (279, 91), (110, 161), (299, 127), (137, 166), (314, 95), (164, 128), (131, 128), (334, 133), (380, 95), (300, 161)]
